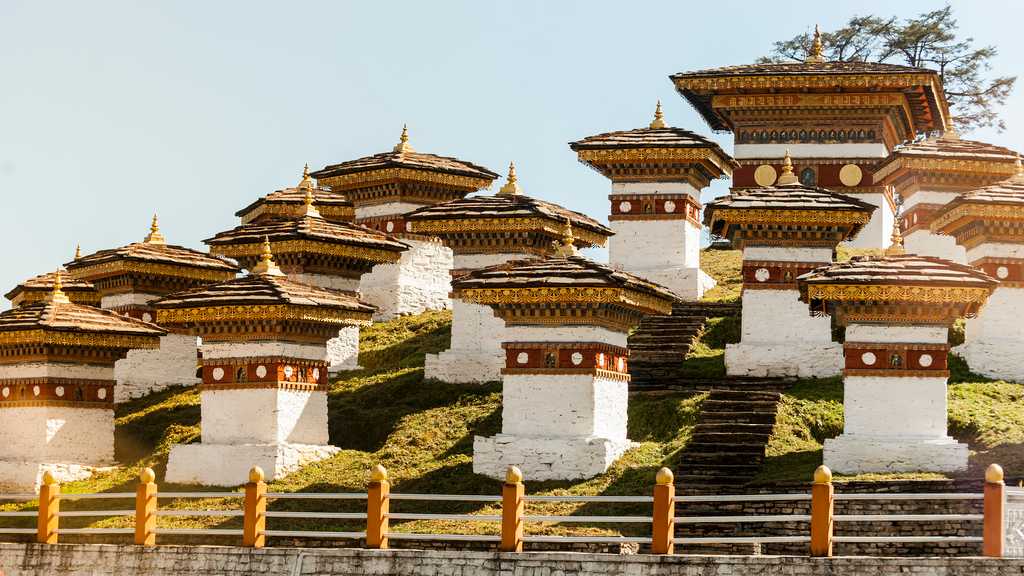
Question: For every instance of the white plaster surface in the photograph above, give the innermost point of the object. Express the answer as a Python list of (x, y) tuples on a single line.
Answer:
[(264, 416), (56, 436), (996, 250), (419, 281), (387, 209), (146, 371), (564, 405), (925, 243), (545, 458), (887, 334), (994, 339), (343, 351), (56, 370), (327, 281), (129, 299), (878, 231), (927, 197), (565, 333), (655, 188), (780, 338), (215, 350), (788, 254), (844, 150), (229, 464), (27, 476), (856, 454), (477, 261), (663, 251), (475, 354)]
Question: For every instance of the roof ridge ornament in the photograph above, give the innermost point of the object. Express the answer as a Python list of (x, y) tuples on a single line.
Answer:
[(403, 145), (787, 178), (266, 266), (307, 201), (307, 181), (78, 251), (511, 188), (659, 118), (566, 247), (896, 248), (58, 296), (816, 55), (155, 236)]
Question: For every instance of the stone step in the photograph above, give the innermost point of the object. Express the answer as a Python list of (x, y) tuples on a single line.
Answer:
[(710, 405), (762, 428), (745, 395), (712, 447), (698, 458), (738, 417), (752, 438)]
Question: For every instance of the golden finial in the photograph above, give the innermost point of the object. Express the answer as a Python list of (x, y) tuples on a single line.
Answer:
[(307, 181), (155, 236), (659, 118), (664, 476), (994, 474), (403, 141), (58, 296), (78, 251), (266, 264), (896, 240), (816, 56), (513, 475), (308, 208), (822, 475), (950, 132), (511, 188), (787, 176), (567, 246)]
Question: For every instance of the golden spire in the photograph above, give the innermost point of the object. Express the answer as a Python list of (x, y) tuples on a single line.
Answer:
[(307, 182), (816, 56), (78, 251), (896, 248), (787, 177), (659, 118), (58, 296), (308, 208), (154, 236), (403, 145), (266, 264), (566, 247), (511, 188)]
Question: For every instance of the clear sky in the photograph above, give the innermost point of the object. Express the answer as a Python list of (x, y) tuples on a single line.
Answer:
[(110, 111)]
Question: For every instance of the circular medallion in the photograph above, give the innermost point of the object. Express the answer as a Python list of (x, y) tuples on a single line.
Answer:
[(670, 206), (316, 374), (1002, 272), (60, 391), (261, 371), (925, 360), (625, 206), (35, 390), (6, 392), (523, 358), (762, 274), (147, 317), (390, 227), (101, 393), (408, 226), (218, 373), (288, 371), (868, 358), (765, 175), (851, 175), (577, 358)]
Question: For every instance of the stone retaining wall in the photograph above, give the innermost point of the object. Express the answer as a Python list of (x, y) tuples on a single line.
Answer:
[(94, 560)]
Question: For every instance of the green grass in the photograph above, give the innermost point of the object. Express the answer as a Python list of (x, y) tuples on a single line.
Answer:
[(724, 266)]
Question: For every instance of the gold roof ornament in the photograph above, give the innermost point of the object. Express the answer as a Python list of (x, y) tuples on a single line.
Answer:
[(266, 265), (307, 181), (308, 208), (58, 296), (659, 118), (403, 145), (511, 188), (896, 248), (565, 247), (816, 56), (155, 236), (78, 251), (787, 177)]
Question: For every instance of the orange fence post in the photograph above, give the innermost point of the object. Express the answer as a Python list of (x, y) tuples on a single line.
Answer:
[(513, 507), (255, 523), (994, 529), (822, 505), (49, 508), (378, 504), (145, 508), (663, 526)]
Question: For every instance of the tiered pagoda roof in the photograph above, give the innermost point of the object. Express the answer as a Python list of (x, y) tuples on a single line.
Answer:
[(290, 202), (907, 288), (993, 213), (948, 154), (40, 288), (509, 221)]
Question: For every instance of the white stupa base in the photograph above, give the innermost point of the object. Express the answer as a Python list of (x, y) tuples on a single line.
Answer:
[(464, 366), (27, 476), (996, 359), (784, 359), (229, 464), (861, 453), (686, 283), (144, 372), (343, 351), (421, 280), (546, 457)]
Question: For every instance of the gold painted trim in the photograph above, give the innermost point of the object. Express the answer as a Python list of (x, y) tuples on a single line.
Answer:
[(501, 225), (566, 296), (319, 247), (287, 312), (897, 293), (372, 177), (599, 156), (95, 271), (932, 164), (730, 215), (977, 211), (57, 338)]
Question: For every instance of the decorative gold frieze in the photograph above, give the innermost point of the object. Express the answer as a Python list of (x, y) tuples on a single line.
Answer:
[(976, 211), (324, 248), (932, 164), (549, 226), (806, 81), (566, 296), (792, 217), (283, 312), (129, 267), (371, 177), (88, 339), (600, 156), (897, 293)]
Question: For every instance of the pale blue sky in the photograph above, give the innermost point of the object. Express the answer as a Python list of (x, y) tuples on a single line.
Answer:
[(110, 111)]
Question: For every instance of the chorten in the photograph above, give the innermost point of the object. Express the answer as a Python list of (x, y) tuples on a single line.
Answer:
[(838, 119), (311, 249), (566, 375), (128, 279), (784, 230), (264, 367), (897, 311), (384, 188), (988, 224), (485, 231), (290, 202), (929, 173), (39, 288), (57, 386), (657, 175)]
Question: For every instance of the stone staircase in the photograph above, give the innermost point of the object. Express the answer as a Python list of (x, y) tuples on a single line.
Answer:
[(727, 447), (660, 343)]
